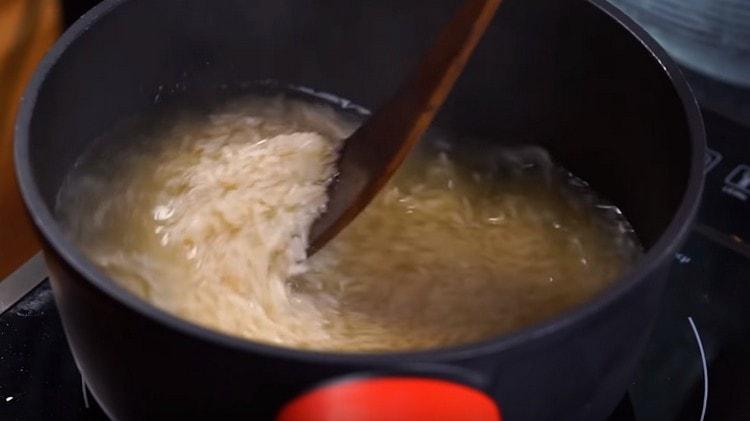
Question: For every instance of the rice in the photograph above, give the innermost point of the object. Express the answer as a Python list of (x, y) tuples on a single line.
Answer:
[(210, 221)]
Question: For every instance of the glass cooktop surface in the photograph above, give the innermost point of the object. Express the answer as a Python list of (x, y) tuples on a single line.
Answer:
[(694, 368)]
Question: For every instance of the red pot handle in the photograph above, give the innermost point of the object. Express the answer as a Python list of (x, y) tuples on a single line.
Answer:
[(392, 399)]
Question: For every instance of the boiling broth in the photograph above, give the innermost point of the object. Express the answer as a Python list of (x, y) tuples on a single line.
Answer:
[(206, 216)]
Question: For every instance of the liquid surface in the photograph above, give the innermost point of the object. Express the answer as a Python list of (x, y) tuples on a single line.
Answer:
[(206, 216)]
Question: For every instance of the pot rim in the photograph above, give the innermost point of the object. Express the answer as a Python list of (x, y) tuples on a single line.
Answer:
[(658, 254)]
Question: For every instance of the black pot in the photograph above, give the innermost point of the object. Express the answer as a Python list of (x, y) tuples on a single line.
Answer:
[(577, 77)]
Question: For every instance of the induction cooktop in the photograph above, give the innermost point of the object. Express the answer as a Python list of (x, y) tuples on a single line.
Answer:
[(695, 366)]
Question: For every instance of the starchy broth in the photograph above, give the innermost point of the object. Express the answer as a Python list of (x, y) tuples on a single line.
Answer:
[(206, 215)]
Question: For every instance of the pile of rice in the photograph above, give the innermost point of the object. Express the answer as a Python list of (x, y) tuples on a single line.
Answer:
[(209, 219)]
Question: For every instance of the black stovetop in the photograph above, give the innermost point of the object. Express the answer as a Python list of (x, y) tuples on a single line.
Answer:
[(695, 363), (695, 367)]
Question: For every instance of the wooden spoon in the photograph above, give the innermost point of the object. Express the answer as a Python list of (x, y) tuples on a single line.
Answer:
[(372, 154)]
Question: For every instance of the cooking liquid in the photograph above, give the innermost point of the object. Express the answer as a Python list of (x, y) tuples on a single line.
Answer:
[(457, 248)]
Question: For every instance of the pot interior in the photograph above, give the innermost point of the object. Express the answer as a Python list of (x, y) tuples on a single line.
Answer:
[(561, 74)]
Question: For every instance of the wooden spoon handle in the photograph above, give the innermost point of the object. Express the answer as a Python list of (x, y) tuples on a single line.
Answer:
[(374, 152)]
